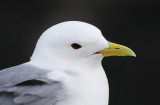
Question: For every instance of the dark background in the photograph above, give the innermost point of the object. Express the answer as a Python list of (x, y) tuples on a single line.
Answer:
[(134, 23)]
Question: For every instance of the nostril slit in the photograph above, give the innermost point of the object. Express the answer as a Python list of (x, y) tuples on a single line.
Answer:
[(116, 48)]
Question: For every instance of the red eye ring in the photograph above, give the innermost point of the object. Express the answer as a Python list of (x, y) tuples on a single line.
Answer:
[(75, 46)]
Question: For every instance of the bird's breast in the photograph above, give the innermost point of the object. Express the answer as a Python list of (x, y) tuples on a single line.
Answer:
[(86, 88)]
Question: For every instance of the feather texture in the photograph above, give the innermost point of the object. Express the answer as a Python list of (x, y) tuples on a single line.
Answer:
[(27, 85)]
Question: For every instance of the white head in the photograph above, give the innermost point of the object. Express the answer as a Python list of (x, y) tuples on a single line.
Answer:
[(70, 43), (73, 44)]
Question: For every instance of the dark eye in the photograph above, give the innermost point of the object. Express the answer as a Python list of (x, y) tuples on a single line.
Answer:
[(76, 46)]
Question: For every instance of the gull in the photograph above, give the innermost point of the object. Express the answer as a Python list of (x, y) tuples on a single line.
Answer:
[(64, 69)]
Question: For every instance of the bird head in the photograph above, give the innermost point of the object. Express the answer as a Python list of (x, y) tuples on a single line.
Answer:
[(75, 43)]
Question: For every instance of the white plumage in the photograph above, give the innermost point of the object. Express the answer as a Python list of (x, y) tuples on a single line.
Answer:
[(65, 69)]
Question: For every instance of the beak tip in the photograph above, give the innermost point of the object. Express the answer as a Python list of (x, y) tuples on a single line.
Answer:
[(133, 54)]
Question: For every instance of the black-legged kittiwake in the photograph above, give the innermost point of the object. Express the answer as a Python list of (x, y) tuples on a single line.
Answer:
[(65, 69)]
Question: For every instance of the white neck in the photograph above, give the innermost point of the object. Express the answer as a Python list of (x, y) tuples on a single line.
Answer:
[(55, 62)]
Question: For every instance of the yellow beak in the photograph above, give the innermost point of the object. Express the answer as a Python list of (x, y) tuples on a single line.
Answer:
[(117, 50)]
